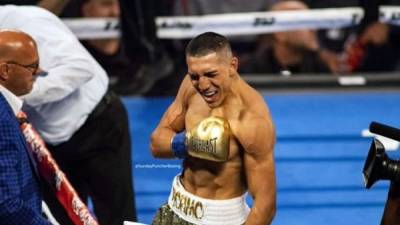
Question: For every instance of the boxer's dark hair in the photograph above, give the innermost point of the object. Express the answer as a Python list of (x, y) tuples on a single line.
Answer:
[(207, 43)]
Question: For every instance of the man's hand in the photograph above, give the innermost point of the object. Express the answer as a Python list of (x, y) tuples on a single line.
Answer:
[(376, 33)]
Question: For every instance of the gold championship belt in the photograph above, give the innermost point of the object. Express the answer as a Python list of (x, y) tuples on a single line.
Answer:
[(209, 139)]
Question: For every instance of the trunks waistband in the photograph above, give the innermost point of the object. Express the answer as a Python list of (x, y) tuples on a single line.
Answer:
[(199, 210)]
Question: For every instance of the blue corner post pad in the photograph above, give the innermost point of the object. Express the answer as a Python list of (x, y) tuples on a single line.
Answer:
[(178, 145)]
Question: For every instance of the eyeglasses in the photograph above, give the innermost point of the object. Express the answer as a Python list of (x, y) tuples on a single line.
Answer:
[(31, 67)]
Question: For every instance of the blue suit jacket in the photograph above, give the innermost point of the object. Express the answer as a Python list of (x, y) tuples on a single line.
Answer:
[(20, 200)]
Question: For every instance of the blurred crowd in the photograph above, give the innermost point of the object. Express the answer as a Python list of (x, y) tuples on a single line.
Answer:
[(139, 63)]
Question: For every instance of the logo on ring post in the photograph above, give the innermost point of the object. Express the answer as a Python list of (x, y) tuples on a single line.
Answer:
[(59, 176), (187, 205)]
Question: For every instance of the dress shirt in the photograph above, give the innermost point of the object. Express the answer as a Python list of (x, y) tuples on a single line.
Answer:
[(13, 100), (60, 102)]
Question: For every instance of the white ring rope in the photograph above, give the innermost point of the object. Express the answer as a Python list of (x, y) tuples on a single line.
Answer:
[(94, 28), (230, 24)]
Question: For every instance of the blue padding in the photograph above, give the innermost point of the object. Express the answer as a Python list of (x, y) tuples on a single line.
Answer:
[(319, 156)]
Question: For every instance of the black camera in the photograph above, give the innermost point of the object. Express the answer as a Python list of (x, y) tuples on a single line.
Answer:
[(378, 165)]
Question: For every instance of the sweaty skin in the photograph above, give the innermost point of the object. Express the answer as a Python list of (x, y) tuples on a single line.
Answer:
[(213, 87)]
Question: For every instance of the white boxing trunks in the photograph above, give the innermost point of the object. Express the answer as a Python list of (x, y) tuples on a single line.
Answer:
[(201, 211)]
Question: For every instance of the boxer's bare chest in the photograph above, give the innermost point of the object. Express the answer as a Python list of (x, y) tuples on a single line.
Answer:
[(198, 112)]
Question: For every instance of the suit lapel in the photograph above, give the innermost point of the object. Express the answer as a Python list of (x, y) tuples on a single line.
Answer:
[(7, 108), (30, 154)]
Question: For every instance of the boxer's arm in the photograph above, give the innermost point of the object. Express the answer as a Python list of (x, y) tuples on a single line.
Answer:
[(260, 169), (172, 122)]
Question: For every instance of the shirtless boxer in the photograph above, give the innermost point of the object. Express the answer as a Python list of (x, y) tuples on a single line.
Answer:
[(222, 129)]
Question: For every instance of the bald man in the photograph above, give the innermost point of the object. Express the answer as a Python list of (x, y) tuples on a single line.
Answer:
[(20, 199), (84, 124)]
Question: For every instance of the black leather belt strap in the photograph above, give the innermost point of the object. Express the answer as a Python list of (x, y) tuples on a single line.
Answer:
[(104, 102)]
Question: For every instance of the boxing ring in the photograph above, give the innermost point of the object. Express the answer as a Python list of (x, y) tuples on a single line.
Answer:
[(320, 149), (319, 154)]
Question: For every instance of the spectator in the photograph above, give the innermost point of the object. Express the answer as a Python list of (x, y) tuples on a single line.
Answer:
[(132, 62), (54, 6), (109, 52), (202, 7), (84, 124), (288, 52), (20, 198), (157, 67), (376, 41)]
